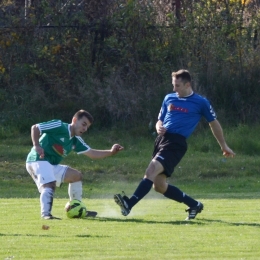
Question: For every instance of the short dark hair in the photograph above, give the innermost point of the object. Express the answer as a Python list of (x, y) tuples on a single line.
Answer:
[(83, 113), (183, 74)]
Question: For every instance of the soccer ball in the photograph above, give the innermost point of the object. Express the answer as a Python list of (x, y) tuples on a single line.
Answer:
[(75, 209)]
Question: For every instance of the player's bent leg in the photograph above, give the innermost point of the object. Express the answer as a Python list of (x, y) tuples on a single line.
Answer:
[(72, 175), (125, 203), (160, 185), (74, 178), (153, 170)]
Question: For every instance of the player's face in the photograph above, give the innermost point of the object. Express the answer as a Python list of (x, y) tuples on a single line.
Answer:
[(180, 87), (80, 126)]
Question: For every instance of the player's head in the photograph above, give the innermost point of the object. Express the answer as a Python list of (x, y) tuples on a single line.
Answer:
[(183, 75), (83, 113), (181, 81), (81, 121)]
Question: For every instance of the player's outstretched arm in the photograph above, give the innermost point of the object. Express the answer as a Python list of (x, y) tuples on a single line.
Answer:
[(99, 154), (218, 133)]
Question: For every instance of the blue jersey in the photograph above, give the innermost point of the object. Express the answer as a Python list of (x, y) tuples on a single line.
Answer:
[(181, 115)]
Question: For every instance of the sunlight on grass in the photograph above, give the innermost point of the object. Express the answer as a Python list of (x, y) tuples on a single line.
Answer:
[(155, 229), (228, 228)]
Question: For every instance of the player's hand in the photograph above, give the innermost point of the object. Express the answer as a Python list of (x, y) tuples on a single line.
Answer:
[(161, 130), (227, 152), (39, 150), (116, 148)]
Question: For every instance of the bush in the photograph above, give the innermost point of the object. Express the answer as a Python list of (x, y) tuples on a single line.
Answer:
[(115, 58)]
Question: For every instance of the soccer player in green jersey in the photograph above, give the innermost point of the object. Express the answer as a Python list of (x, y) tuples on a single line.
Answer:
[(52, 142)]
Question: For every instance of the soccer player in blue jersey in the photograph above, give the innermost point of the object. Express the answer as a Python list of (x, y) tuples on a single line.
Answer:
[(52, 142), (180, 113)]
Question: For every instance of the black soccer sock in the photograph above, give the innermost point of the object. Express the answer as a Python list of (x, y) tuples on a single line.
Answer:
[(176, 194), (143, 188)]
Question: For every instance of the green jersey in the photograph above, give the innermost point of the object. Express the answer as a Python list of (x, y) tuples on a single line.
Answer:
[(57, 142)]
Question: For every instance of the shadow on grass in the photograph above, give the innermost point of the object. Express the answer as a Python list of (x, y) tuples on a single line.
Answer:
[(195, 222), (143, 221), (231, 223), (91, 236)]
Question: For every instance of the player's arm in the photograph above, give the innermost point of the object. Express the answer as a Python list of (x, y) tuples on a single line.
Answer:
[(159, 128), (35, 135), (99, 154), (218, 134)]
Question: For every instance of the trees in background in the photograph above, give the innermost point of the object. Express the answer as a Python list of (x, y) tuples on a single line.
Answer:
[(115, 58)]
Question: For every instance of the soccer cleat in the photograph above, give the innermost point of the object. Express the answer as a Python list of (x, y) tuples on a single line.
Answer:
[(48, 217), (121, 201), (192, 212), (92, 214)]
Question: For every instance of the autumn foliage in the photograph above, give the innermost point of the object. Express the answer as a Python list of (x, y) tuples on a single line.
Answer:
[(115, 58)]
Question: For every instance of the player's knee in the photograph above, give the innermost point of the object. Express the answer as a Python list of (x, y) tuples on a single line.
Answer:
[(51, 185), (73, 176), (78, 177), (158, 188), (149, 174)]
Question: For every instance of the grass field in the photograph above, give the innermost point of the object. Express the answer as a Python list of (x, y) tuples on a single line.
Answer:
[(228, 228)]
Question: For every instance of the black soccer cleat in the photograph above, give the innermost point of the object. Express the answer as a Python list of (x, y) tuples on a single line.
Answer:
[(91, 214), (192, 212), (121, 201), (49, 217)]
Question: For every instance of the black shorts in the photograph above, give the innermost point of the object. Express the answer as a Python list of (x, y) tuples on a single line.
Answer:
[(169, 150)]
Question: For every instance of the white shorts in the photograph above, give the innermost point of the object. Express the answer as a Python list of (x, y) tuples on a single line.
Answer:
[(43, 172)]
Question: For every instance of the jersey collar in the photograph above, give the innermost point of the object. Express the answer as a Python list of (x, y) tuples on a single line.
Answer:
[(185, 96), (69, 125), (189, 94)]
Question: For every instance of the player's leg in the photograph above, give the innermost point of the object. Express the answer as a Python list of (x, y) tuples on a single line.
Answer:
[(160, 183), (152, 171), (169, 191), (144, 186), (74, 178), (169, 158), (46, 199), (142, 189), (43, 176), (174, 193)]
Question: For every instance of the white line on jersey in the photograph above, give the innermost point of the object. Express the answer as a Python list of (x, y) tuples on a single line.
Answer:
[(50, 125), (160, 157)]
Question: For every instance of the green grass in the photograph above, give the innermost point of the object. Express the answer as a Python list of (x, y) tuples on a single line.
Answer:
[(228, 228), (155, 229)]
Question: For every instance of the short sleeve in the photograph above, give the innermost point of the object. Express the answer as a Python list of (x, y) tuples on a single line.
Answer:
[(80, 146), (208, 111)]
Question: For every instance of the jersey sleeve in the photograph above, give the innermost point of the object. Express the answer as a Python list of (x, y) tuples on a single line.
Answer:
[(80, 146), (52, 126), (208, 111)]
